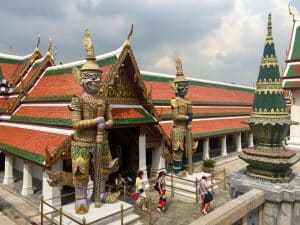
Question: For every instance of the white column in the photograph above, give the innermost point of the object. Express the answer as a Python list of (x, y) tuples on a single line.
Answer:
[(142, 151), (223, 146), (51, 192), (8, 171), (250, 140), (158, 162), (238, 142), (206, 148), (27, 188)]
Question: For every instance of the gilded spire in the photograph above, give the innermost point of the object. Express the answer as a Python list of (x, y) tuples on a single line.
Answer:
[(270, 25), (269, 38), (179, 71), (88, 45)]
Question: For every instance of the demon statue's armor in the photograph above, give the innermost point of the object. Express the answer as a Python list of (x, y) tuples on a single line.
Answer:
[(182, 117), (90, 117)]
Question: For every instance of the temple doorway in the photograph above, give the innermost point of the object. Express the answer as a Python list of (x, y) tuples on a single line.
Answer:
[(124, 143)]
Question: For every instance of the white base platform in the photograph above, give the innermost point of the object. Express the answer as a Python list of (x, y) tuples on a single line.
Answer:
[(97, 213)]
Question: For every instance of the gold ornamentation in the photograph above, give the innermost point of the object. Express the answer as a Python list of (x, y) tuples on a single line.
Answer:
[(88, 45)]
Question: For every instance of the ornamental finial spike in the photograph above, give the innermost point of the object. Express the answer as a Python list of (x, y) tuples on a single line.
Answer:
[(49, 46), (270, 25), (88, 45), (38, 42), (291, 11), (127, 41)]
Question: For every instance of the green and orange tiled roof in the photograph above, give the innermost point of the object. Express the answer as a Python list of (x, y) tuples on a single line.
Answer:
[(29, 144), (61, 115), (291, 76), (202, 128), (11, 65), (58, 83), (200, 92), (207, 111), (5, 103)]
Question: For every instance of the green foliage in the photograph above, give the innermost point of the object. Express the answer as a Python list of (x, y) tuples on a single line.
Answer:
[(209, 163)]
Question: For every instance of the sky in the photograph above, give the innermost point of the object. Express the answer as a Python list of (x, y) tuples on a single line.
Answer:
[(219, 40)]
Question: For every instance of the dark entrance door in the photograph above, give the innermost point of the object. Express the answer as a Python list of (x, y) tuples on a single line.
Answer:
[(124, 143)]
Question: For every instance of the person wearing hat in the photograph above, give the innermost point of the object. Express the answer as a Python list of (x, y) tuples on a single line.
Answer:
[(182, 118), (161, 188)]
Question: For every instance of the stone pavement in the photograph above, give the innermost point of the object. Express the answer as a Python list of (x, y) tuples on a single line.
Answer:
[(15, 210)]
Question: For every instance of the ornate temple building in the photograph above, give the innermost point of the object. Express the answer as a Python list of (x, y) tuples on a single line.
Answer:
[(36, 126)]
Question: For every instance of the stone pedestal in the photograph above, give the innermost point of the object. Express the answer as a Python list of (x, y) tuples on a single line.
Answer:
[(282, 199)]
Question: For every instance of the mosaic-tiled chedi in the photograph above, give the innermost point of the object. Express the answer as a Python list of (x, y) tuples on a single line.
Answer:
[(269, 122)]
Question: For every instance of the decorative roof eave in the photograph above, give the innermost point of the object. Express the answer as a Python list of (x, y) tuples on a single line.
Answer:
[(145, 98), (291, 84), (296, 25), (45, 62), (61, 152), (33, 57)]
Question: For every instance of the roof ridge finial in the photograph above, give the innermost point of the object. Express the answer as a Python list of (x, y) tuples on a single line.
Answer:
[(10, 50), (49, 47), (38, 42), (291, 11), (88, 45), (127, 41)]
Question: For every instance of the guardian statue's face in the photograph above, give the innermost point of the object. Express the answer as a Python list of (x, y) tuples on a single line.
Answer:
[(91, 82), (181, 90)]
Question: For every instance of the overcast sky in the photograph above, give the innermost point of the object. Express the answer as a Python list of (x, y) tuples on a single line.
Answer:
[(218, 40)]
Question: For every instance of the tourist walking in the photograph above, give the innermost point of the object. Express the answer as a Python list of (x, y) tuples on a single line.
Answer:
[(140, 189), (206, 196), (161, 188)]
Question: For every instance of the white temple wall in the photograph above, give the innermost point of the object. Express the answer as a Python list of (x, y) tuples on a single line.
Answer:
[(294, 142)]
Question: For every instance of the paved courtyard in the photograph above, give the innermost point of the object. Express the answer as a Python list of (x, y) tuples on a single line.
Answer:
[(15, 210)]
